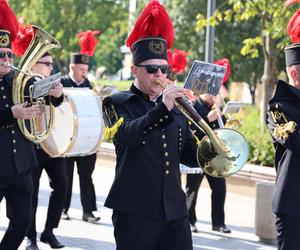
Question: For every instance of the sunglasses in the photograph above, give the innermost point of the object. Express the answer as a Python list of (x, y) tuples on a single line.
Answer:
[(8, 53), (48, 64), (153, 68)]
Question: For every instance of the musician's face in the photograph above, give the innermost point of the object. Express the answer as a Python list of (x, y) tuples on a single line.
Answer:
[(79, 71), (44, 66), (5, 58), (146, 80)]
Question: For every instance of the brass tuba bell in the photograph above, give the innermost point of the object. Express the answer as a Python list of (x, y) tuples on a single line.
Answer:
[(33, 129)]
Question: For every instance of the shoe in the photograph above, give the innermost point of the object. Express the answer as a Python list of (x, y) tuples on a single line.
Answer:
[(194, 229), (51, 240), (65, 216), (89, 217), (221, 229), (31, 245)]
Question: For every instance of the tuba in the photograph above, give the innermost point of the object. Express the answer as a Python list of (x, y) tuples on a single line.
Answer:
[(222, 152), (32, 129)]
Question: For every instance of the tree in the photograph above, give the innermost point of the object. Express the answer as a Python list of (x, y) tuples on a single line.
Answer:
[(273, 17), (65, 18)]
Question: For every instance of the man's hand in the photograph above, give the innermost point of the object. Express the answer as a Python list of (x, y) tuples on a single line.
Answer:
[(212, 115), (21, 111), (56, 91), (170, 93)]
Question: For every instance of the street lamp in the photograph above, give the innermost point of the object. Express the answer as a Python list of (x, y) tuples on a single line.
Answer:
[(210, 33)]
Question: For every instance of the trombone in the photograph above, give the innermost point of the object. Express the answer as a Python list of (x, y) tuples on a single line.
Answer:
[(222, 152)]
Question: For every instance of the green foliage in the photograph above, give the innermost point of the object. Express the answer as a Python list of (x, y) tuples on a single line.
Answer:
[(65, 18), (257, 135)]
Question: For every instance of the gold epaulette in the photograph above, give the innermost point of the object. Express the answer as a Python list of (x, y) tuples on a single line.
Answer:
[(109, 133)]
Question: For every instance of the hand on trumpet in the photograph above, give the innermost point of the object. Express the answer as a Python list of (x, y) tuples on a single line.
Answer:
[(170, 93), (23, 111), (56, 91)]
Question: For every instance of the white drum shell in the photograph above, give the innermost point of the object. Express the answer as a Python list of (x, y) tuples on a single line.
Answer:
[(78, 125)]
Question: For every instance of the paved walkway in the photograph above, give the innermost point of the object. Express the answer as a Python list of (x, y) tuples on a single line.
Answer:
[(76, 234)]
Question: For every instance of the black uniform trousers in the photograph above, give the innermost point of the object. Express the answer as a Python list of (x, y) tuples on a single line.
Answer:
[(56, 171), (288, 228), (136, 232), (17, 191), (85, 169), (218, 194)]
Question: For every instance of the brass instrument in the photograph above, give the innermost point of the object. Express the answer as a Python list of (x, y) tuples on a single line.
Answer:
[(222, 152), (40, 44)]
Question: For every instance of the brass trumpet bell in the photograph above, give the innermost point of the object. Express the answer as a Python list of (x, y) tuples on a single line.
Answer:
[(228, 161)]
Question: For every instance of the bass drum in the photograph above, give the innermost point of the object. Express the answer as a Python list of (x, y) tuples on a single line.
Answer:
[(78, 125)]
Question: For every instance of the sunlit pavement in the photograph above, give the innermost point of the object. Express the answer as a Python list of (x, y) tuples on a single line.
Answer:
[(76, 234)]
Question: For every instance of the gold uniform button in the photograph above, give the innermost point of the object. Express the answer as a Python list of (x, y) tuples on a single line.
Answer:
[(179, 129), (163, 137), (15, 151), (167, 163), (165, 145), (166, 154), (4, 97), (6, 106), (161, 120), (166, 116), (14, 141), (167, 172), (143, 142), (12, 131), (2, 88)]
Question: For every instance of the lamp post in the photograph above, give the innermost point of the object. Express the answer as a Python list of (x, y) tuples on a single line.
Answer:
[(210, 33)]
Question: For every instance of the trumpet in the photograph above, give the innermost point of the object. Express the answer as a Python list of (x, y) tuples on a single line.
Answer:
[(222, 152)]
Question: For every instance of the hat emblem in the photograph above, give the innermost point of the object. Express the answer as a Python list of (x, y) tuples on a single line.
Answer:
[(4, 40), (157, 47), (85, 59)]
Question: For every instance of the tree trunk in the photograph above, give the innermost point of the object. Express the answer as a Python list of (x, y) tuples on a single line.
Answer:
[(269, 77)]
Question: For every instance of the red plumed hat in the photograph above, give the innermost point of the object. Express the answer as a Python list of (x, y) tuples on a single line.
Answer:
[(153, 33), (177, 60), (88, 41), (224, 62), (9, 24), (290, 2), (23, 39)]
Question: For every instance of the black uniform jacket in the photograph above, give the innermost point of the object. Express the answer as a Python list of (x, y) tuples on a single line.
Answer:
[(16, 153), (66, 81), (149, 144), (286, 197)]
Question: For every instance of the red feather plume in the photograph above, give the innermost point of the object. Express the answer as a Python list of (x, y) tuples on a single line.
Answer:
[(8, 19), (177, 60), (293, 27), (23, 39), (290, 2), (88, 41), (153, 21), (224, 62)]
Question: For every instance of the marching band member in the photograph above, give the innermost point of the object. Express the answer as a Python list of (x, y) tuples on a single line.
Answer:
[(17, 153), (205, 106), (77, 78), (283, 119), (151, 137), (54, 167)]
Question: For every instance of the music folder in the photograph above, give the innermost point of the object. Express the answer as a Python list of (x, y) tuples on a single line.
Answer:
[(42, 86), (205, 78)]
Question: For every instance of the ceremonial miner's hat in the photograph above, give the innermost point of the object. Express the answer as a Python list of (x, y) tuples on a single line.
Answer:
[(9, 25), (292, 51), (152, 35), (87, 42), (224, 62)]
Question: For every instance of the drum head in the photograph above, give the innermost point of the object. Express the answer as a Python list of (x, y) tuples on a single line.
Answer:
[(59, 140)]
